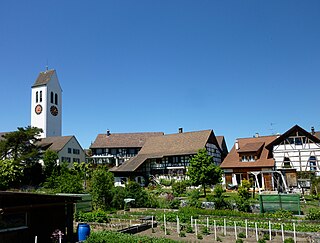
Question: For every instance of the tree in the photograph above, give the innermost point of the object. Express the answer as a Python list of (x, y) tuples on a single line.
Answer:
[(102, 183), (21, 145), (10, 173), (203, 171), (50, 162)]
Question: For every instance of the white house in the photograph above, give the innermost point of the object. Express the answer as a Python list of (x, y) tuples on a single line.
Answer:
[(296, 149)]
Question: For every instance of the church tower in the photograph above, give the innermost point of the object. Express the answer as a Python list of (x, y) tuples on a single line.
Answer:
[(46, 104)]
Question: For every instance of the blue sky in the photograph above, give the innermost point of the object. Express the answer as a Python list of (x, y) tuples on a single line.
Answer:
[(130, 66)]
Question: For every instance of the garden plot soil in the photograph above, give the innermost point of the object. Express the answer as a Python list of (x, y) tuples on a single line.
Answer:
[(210, 238)]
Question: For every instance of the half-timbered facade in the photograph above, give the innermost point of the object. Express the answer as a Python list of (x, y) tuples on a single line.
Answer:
[(297, 149), (167, 156), (113, 149)]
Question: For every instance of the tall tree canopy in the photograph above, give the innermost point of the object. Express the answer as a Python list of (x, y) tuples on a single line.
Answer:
[(203, 171), (20, 145)]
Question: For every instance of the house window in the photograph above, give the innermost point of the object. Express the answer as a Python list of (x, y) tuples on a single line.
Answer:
[(286, 162), (76, 160), (37, 96), (251, 158), (69, 150), (66, 159), (244, 158), (76, 151), (40, 96), (51, 98), (313, 163), (56, 99)]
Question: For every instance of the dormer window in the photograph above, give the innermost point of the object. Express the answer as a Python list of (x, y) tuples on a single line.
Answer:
[(248, 158)]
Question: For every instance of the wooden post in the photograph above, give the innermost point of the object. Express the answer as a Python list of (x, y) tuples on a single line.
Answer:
[(195, 227), (270, 235), (151, 222), (36, 239), (224, 227), (191, 222), (256, 226), (294, 233), (208, 224), (235, 230), (178, 225), (282, 233)]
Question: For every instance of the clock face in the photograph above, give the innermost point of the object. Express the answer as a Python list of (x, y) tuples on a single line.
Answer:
[(38, 109), (54, 110)]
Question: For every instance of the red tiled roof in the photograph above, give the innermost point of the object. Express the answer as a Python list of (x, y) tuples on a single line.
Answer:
[(185, 143), (123, 140), (251, 147), (265, 160)]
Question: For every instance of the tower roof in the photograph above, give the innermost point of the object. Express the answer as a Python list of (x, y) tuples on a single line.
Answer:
[(43, 78)]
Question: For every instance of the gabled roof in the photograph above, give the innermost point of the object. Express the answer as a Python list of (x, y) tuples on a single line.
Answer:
[(247, 144), (251, 147), (43, 78), (54, 143), (222, 144), (123, 140), (293, 129), (185, 143)]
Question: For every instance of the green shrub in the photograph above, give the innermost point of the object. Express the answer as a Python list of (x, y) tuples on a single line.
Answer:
[(205, 231), (280, 214), (313, 214), (242, 235), (98, 216), (174, 204), (179, 188), (261, 241), (182, 234), (116, 237), (165, 182), (239, 241), (289, 240), (189, 229), (200, 237)]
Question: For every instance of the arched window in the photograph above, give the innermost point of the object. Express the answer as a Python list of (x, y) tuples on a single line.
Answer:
[(51, 98), (40, 96), (37, 96), (313, 163), (56, 99)]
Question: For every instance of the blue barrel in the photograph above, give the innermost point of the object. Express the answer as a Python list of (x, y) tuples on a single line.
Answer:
[(83, 231)]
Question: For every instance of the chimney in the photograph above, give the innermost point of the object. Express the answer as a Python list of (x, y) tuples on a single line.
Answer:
[(256, 135), (108, 132), (180, 130), (312, 131), (236, 144)]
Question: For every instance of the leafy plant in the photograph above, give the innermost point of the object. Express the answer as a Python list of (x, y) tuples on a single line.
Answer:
[(261, 241), (239, 241), (289, 240), (199, 237), (179, 188), (98, 216), (313, 214), (205, 231), (242, 235), (182, 234)]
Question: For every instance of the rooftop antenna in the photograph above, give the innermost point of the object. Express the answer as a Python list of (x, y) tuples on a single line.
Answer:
[(272, 128), (47, 67)]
